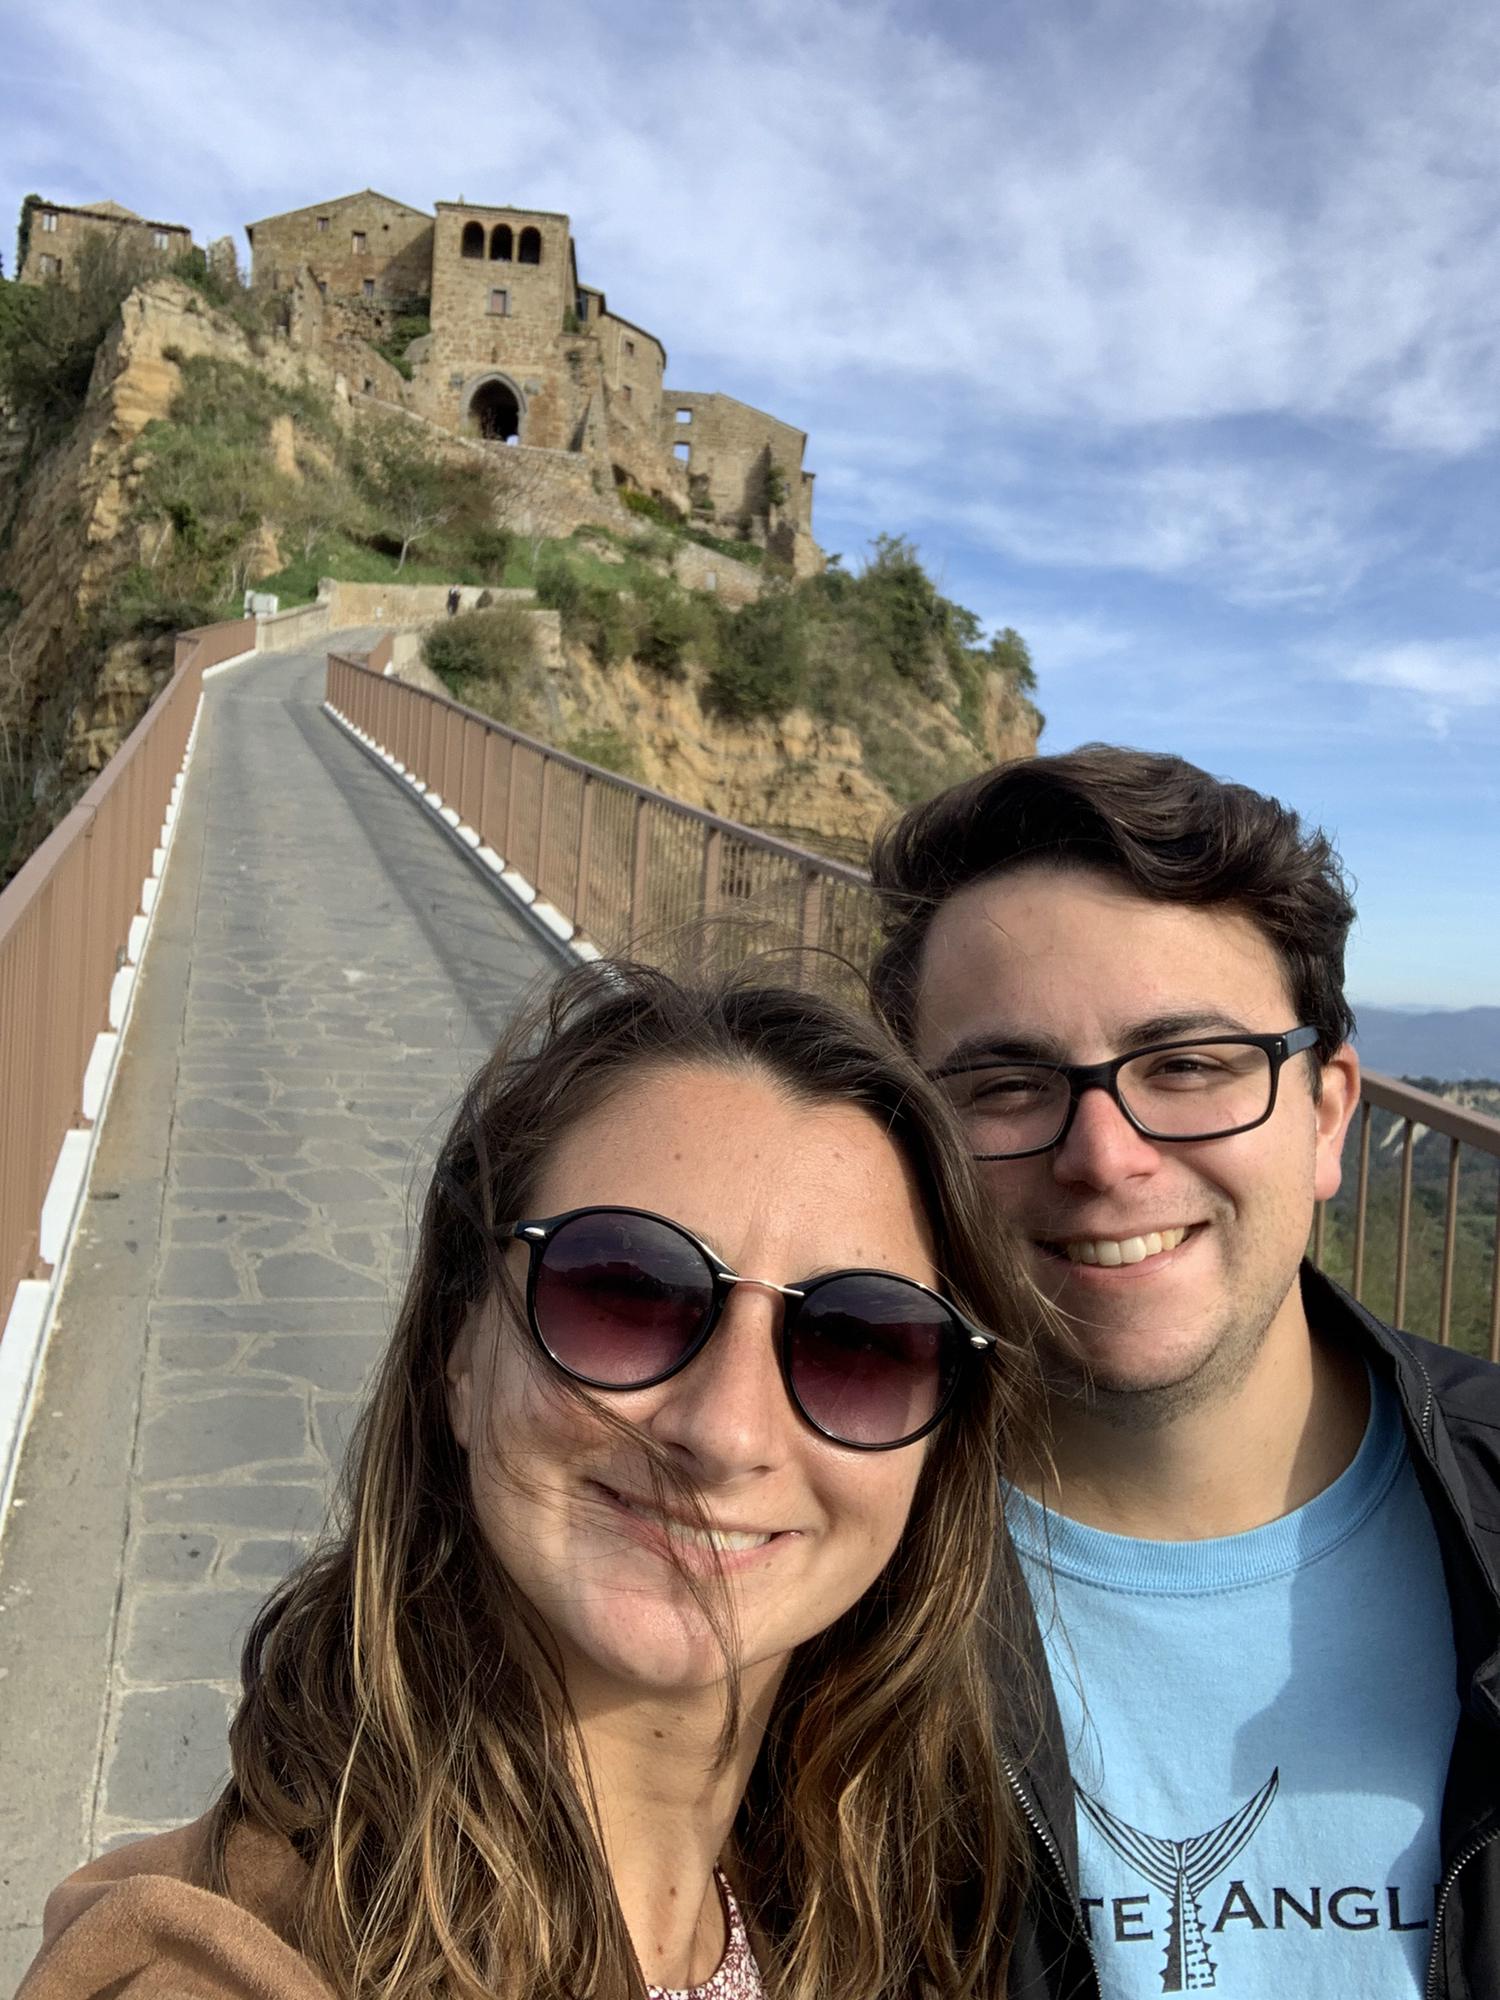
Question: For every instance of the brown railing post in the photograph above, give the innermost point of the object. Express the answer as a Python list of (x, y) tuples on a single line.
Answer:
[(1450, 1236), (640, 866), (810, 911), (1495, 1278), (585, 856), (1403, 1222), (713, 855), (1361, 1200), (541, 871), (510, 806)]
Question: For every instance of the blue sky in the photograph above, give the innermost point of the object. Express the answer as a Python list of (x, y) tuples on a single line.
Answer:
[(1170, 332)]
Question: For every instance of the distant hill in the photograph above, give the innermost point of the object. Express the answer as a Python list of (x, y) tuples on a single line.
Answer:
[(1452, 1046)]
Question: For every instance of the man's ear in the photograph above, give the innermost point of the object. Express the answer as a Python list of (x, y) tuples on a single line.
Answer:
[(460, 1379), (1334, 1109)]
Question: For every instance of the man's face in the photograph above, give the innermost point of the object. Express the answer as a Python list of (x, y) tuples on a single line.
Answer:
[(1067, 964)]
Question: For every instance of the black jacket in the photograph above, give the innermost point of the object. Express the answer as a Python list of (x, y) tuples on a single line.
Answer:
[(1451, 1404)]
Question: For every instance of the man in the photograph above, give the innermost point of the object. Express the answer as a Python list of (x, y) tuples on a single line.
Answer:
[(1263, 1557)]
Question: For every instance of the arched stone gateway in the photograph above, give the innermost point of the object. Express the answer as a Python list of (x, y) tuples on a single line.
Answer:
[(495, 409)]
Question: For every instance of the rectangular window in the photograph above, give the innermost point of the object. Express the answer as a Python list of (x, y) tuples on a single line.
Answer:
[(322, 225), (359, 242), (581, 307), (630, 347), (684, 416), (683, 453), (500, 302), (49, 221), (323, 287), (368, 288), (627, 393), (160, 239)]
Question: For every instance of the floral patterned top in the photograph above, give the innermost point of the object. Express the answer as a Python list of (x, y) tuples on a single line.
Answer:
[(738, 1976)]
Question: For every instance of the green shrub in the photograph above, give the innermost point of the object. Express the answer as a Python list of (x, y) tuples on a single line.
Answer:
[(488, 549), (558, 584), (495, 646), (762, 660), (51, 332), (606, 748), (669, 626), (225, 291), (651, 507), (607, 621)]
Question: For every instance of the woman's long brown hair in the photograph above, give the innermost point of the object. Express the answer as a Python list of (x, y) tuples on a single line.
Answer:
[(403, 1721)]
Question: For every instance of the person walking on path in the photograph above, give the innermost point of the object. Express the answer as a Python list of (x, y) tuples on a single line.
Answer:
[(659, 1646), (453, 601), (1264, 1563)]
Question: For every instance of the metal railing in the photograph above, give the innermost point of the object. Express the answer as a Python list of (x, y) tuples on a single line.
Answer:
[(64, 921), (1400, 1235), (624, 863), (621, 861)]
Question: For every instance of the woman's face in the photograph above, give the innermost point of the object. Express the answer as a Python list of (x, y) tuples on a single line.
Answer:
[(781, 1190)]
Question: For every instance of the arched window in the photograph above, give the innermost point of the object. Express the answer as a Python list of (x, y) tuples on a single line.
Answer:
[(473, 243), (531, 247), (500, 243)]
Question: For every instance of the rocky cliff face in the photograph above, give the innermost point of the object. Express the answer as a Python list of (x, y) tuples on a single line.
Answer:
[(801, 778), (72, 534)]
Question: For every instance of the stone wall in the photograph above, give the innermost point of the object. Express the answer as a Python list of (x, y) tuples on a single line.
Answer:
[(734, 583), (732, 449), (288, 631), (357, 241), (58, 234)]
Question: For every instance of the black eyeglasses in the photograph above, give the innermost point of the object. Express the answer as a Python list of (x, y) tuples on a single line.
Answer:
[(618, 1298), (1174, 1091)]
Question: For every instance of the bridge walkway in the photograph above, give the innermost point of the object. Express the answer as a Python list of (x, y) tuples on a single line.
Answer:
[(324, 973)]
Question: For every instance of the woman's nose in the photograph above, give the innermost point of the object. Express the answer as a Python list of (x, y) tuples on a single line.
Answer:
[(728, 1410)]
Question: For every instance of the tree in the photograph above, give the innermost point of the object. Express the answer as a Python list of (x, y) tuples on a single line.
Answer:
[(414, 485), (1010, 655), (50, 333)]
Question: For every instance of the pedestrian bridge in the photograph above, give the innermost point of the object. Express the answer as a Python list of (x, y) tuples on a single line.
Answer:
[(270, 944)]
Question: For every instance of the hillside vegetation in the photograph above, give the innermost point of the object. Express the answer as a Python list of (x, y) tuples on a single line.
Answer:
[(255, 476)]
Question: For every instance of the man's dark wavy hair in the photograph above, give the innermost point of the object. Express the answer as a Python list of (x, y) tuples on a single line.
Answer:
[(1167, 830)]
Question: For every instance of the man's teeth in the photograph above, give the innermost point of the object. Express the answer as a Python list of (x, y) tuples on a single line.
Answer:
[(1122, 1249), (724, 1541)]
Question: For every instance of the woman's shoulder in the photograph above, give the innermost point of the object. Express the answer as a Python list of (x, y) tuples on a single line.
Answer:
[(141, 1924)]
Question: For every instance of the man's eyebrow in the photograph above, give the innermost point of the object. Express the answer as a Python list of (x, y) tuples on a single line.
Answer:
[(1178, 1026), (1038, 1047)]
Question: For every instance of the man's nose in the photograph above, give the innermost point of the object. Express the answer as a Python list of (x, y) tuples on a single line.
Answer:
[(727, 1413), (1102, 1147)]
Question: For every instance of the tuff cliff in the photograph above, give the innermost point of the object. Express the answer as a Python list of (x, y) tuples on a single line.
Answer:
[(92, 531)]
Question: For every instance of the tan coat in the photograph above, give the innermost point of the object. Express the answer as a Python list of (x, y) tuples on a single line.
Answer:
[(137, 1925)]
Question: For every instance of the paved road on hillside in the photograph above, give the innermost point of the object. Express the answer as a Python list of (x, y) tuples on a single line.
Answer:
[(324, 972)]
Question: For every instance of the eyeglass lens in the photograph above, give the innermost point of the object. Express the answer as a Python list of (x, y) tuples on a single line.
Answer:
[(1198, 1092), (619, 1299)]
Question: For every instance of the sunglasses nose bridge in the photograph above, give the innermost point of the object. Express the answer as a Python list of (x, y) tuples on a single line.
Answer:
[(759, 1284)]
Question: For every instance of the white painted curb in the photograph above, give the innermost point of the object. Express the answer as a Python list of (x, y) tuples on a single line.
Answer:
[(28, 1325), (510, 879)]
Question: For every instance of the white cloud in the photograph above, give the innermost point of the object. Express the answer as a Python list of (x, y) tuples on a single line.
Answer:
[(1441, 680)]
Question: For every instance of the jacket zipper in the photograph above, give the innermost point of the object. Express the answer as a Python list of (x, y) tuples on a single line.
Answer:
[(1476, 1847), (1034, 1821)]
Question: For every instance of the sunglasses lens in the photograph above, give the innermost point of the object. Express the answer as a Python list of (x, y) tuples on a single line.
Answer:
[(619, 1299), (872, 1360)]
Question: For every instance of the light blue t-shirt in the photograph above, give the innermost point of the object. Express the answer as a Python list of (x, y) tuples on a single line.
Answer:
[(1259, 1729)]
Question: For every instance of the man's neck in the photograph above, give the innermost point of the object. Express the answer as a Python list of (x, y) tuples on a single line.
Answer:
[(1268, 1445)]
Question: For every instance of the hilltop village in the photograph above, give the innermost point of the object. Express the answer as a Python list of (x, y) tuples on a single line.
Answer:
[(475, 318)]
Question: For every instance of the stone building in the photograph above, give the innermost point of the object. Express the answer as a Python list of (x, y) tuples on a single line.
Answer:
[(520, 352), (53, 233)]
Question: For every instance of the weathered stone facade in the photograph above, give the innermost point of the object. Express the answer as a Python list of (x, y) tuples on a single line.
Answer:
[(521, 352), (360, 246), (56, 235)]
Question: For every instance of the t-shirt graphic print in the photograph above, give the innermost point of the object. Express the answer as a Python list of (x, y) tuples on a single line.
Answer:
[(1259, 1729)]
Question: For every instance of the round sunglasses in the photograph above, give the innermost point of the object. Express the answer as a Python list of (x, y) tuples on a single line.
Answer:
[(618, 1298)]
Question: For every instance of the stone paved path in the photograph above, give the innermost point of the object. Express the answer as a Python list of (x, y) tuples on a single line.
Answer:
[(326, 971)]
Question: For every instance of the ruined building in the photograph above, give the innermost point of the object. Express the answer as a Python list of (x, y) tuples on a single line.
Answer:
[(521, 351), (52, 233)]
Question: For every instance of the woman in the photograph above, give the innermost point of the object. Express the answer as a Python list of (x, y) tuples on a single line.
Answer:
[(664, 1647)]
